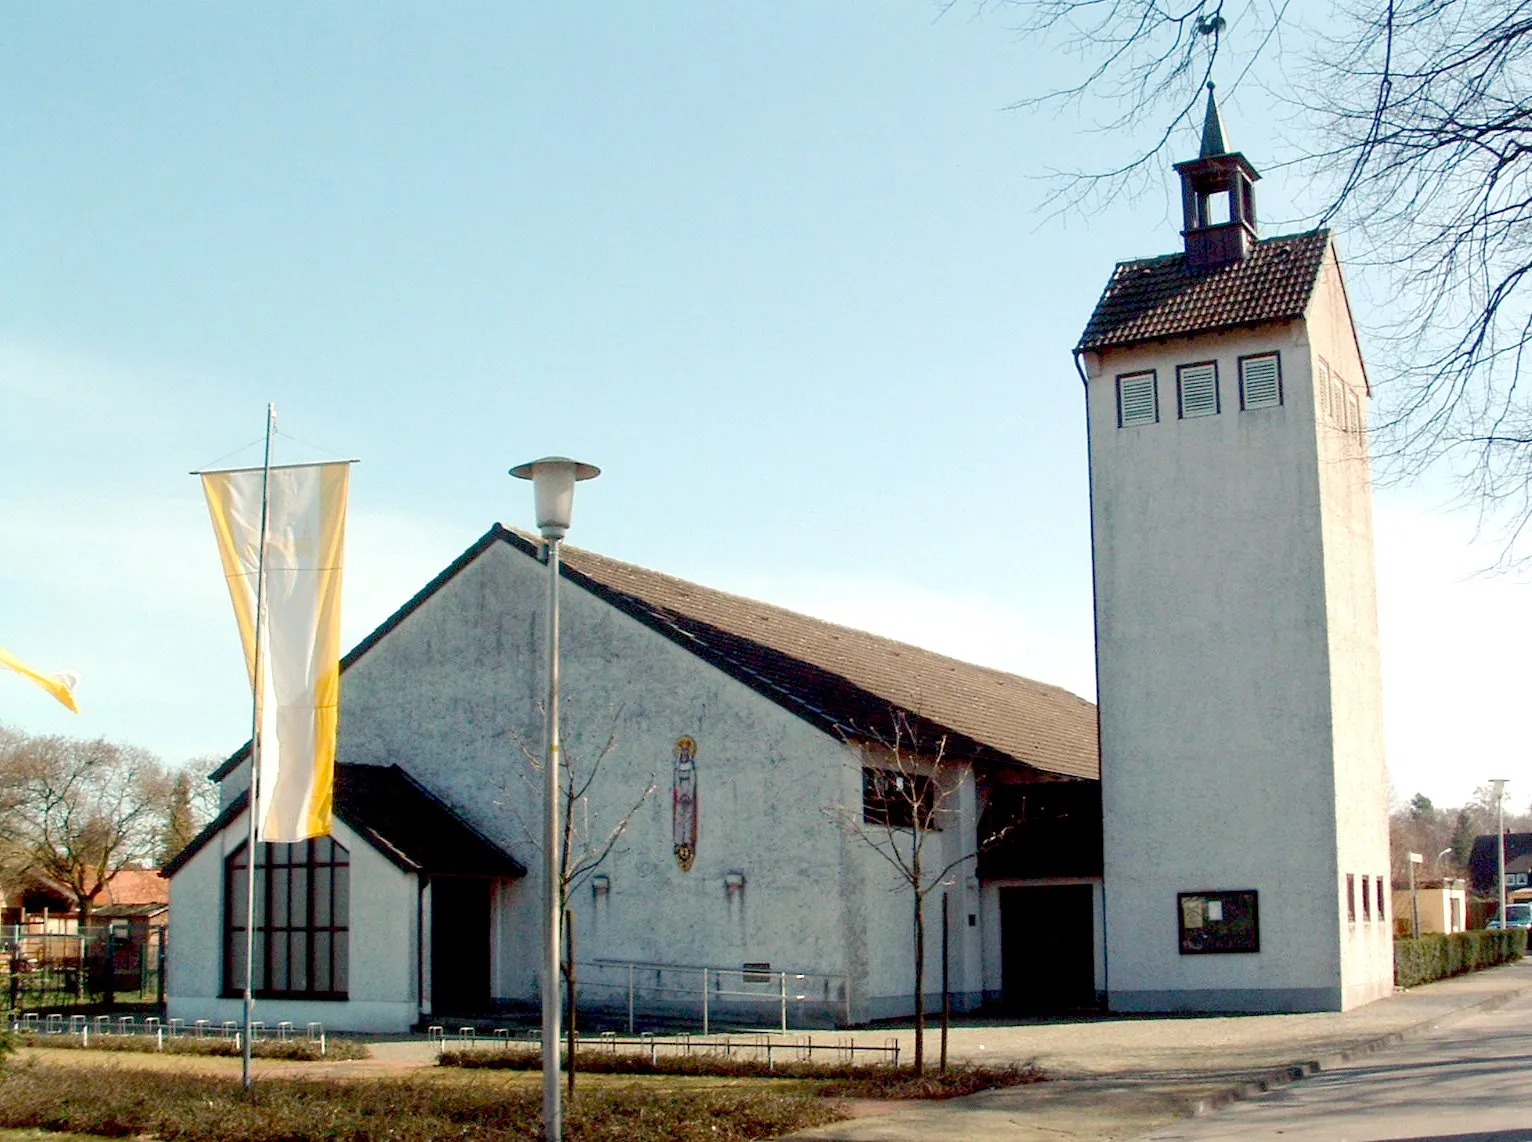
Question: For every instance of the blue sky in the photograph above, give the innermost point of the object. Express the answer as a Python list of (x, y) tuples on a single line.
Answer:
[(778, 268)]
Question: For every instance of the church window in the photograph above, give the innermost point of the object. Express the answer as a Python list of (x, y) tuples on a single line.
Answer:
[(1351, 897), (1260, 381), (302, 908), (896, 799), (1379, 882), (1138, 399), (1197, 389), (1366, 899)]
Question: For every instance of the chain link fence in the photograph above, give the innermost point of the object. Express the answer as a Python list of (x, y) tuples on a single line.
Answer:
[(111, 963)]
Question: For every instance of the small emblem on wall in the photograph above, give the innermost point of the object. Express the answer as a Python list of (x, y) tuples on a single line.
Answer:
[(684, 802)]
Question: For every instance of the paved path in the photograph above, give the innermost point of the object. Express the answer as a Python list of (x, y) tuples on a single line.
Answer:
[(1123, 1078), (1472, 1080)]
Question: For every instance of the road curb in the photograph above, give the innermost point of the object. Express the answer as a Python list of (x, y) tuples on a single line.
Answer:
[(1295, 1072)]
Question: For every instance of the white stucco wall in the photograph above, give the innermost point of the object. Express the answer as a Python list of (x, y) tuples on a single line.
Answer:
[(1361, 783), (1233, 564), (383, 919), (451, 694)]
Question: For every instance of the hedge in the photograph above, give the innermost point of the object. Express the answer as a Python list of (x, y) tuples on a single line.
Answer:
[(1437, 956)]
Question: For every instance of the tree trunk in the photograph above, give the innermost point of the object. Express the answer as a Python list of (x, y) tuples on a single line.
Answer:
[(571, 1032)]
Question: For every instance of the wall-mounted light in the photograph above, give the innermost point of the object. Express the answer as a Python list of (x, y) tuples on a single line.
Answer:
[(600, 885)]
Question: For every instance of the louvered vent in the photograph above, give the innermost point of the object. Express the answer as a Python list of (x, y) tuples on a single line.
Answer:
[(1137, 401), (1199, 389), (1260, 381), (1337, 399)]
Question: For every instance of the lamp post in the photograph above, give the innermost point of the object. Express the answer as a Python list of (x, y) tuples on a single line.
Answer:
[(553, 480), (1498, 784), (1415, 858)]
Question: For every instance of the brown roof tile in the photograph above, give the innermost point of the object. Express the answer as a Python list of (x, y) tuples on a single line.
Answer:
[(1154, 298), (846, 681), (852, 681)]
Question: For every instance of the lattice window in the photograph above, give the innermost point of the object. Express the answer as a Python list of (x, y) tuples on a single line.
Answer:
[(302, 908), (891, 797)]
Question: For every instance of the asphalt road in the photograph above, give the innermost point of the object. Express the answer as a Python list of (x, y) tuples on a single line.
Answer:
[(1468, 1082)]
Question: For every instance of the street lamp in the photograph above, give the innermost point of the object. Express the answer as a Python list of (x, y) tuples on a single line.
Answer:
[(553, 480), (1415, 858), (1499, 783)]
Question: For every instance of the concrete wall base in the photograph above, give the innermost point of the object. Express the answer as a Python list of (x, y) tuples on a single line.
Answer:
[(1266, 1000), (903, 1006)]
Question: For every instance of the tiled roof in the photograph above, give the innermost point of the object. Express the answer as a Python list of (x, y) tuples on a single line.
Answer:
[(1154, 298), (397, 816), (412, 827), (135, 886), (851, 682), (845, 681)]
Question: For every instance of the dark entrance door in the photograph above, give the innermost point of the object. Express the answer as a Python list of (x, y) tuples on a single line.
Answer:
[(459, 945), (1047, 948)]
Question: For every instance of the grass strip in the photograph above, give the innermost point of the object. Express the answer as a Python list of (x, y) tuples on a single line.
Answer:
[(203, 1108), (836, 1080), (293, 1050)]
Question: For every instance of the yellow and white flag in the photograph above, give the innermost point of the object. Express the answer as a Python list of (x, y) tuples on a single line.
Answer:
[(61, 685), (297, 692)]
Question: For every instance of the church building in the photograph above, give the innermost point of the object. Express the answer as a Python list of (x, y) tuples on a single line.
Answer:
[(1243, 785), (764, 767)]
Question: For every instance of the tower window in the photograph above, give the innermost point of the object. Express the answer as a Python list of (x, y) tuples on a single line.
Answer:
[(1138, 399), (1351, 897), (1197, 389), (1260, 381)]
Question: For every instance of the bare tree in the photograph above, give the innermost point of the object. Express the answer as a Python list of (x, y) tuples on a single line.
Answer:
[(191, 802), (79, 812), (908, 789), (1412, 122), (587, 836)]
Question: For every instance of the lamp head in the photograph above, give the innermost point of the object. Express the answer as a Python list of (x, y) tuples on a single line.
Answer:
[(553, 480)]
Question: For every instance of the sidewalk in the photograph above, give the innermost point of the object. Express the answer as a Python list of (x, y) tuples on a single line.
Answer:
[(1119, 1078)]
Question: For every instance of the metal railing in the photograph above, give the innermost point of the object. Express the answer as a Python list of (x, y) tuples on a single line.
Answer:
[(749, 994), (770, 1047), (85, 1028)]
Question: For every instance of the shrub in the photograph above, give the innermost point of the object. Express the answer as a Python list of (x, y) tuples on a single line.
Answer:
[(7, 1045), (837, 1080), (205, 1108), (1438, 956), (297, 1050)]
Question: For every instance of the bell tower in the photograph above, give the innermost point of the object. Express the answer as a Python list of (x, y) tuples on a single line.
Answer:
[(1243, 791), (1217, 199)]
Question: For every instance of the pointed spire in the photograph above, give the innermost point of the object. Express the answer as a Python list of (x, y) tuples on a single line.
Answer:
[(1212, 130)]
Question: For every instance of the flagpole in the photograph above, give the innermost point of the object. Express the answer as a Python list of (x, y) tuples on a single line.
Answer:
[(257, 686)]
